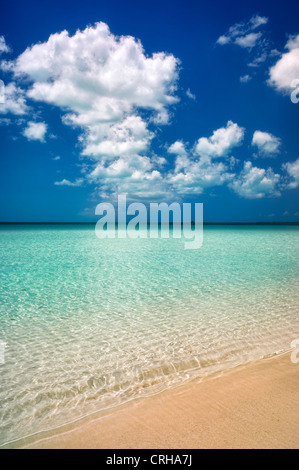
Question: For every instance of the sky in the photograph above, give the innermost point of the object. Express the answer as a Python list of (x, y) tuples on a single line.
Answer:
[(164, 101)]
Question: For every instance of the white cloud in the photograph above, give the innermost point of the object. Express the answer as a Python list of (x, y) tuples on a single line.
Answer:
[(4, 48), (221, 142), (65, 182), (258, 20), (135, 175), (255, 183), (108, 141), (102, 81), (249, 40), (177, 148), (243, 33), (193, 176), (257, 61), (286, 68), (292, 169), (14, 100), (267, 144), (190, 94), (114, 93), (222, 40), (96, 65), (159, 161), (35, 131), (56, 158), (5, 121), (245, 78)]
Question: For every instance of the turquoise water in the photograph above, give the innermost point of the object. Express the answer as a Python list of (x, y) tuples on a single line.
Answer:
[(92, 323)]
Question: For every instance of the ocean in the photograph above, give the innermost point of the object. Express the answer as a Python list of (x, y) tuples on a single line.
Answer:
[(87, 324)]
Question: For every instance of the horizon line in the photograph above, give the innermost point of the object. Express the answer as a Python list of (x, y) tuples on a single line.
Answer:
[(278, 222)]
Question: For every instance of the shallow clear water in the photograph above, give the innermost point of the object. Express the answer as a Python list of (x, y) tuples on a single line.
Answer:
[(91, 323)]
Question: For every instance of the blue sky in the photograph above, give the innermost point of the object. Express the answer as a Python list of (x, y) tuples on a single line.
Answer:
[(184, 101)]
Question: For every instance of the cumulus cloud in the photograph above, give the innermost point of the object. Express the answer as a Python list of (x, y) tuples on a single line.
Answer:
[(109, 88), (256, 183), (35, 131), (177, 148), (243, 33), (192, 173), (14, 100), (221, 142), (267, 144), (3, 46), (195, 172), (292, 169), (115, 94), (101, 81), (96, 65), (193, 176), (136, 175), (129, 137), (286, 69)]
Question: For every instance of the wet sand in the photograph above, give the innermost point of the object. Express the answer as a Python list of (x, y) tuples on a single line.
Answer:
[(251, 406)]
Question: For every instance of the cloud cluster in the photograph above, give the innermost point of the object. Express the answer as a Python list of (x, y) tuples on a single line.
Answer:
[(201, 167), (108, 88), (138, 176), (116, 95), (127, 137), (102, 82), (193, 176), (244, 34), (195, 171), (286, 68), (255, 183)]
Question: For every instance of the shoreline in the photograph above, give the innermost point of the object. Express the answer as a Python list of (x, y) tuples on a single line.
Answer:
[(253, 405)]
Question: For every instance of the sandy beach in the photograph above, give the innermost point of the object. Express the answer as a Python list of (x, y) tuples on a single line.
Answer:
[(251, 406)]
